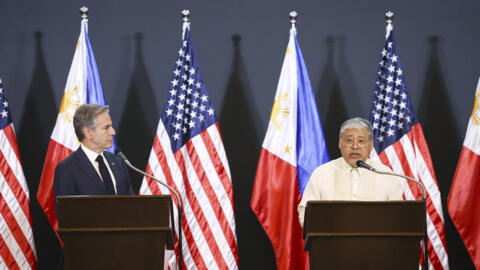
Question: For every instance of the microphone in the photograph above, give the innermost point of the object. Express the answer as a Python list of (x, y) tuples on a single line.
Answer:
[(122, 156), (364, 165)]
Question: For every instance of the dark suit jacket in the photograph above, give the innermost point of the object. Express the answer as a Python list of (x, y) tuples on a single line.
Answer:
[(75, 175)]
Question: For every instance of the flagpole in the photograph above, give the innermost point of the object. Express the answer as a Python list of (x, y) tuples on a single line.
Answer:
[(186, 21), (84, 14), (186, 24), (389, 19), (293, 19)]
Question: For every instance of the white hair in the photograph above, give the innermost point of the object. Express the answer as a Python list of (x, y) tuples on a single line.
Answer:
[(358, 123)]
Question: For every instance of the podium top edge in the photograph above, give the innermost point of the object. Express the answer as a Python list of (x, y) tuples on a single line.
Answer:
[(366, 202), (125, 197)]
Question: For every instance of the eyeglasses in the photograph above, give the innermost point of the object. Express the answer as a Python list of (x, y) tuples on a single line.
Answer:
[(350, 141)]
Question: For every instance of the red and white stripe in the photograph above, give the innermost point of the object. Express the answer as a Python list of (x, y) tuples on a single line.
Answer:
[(199, 172), (17, 248), (410, 156)]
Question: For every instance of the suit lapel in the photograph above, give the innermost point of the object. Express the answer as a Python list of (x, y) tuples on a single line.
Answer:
[(114, 166), (88, 169)]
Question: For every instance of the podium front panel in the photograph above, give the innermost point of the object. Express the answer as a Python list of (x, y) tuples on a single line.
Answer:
[(346, 235), (115, 232), (369, 253), (114, 250)]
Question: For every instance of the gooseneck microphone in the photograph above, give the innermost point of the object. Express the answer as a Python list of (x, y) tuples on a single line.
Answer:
[(424, 198), (365, 165), (368, 167), (122, 156)]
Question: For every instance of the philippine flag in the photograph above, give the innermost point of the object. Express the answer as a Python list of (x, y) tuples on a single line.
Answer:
[(293, 147), (463, 199), (83, 86)]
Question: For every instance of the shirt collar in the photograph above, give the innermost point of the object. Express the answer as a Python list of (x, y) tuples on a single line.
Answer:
[(344, 164), (91, 155)]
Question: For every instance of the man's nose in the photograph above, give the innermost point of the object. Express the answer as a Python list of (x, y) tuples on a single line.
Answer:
[(112, 131), (355, 144)]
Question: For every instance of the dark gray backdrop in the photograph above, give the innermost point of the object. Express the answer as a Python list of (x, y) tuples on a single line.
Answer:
[(240, 47)]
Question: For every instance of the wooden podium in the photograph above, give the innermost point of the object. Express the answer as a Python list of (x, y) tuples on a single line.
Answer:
[(115, 232), (364, 234)]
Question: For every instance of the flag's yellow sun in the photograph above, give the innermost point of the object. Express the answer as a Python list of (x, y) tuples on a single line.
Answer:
[(277, 111), (476, 110), (68, 102)]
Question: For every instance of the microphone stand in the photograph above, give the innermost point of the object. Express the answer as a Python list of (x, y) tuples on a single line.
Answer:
[(424, 199), (179, 205)]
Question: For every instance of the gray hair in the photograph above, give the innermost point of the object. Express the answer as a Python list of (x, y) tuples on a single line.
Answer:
[(85, 117), (358, 123)]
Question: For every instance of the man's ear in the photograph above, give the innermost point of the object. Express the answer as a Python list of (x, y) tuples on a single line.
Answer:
[(370, 144), (86, 132)]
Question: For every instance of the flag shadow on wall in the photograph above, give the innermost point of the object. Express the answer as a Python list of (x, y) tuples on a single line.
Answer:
[(238, 126), (139, 120), (329, 96), (439, 125), (38, 119), (354, 104)]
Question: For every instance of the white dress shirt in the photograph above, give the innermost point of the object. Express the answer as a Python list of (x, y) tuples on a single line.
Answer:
[(92, 156)]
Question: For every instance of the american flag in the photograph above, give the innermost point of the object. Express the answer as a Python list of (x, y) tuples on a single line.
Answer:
[(17, 248), (188, 153), (401, 145)]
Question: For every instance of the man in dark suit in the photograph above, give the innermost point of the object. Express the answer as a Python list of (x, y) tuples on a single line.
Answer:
[(90, 170)]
